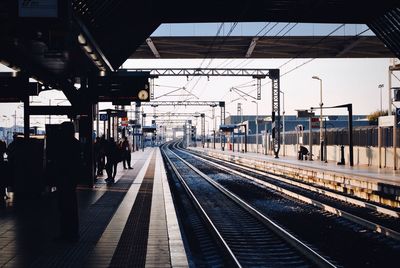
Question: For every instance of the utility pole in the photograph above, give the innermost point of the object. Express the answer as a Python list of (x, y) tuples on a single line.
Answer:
[(256, 125), (321, 135), (380, 86)]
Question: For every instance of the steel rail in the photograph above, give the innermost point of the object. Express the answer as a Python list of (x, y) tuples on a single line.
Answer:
[(329, 193), (229, 253), (368, 224), (326, 192), (309, 253)]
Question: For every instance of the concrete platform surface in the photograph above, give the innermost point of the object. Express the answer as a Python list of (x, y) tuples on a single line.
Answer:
[(374, 184), (131, 223)]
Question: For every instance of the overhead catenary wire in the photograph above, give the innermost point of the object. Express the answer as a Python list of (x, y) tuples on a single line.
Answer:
[(310, 60), (280, 37), (209, 51), (269, 30), (312, 45)]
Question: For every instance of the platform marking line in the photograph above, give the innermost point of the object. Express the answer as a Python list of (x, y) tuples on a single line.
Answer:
[(108, 242)]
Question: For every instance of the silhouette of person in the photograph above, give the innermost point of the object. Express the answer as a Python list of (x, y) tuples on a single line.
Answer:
[(67, 162), (12, 158), (3, 174), (126, 153), (302, 152), (112, 154), (3, 149), (98, 154)]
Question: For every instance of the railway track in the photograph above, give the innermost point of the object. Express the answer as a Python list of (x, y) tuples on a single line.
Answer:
[(379, 219), (247, 237), (322, 226)]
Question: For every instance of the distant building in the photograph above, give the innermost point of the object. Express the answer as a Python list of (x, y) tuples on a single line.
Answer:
[(6, 133), (291, 121)]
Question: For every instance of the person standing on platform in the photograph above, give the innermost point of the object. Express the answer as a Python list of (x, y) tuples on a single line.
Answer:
[(102, 155), (126, 150), (68, 160), (13, 156), (3, 149), (98, 156), (3, 173), (112, 154)]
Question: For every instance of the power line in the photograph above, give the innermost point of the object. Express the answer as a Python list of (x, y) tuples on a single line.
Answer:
[(308, 61), (219, 47), (237, 66), (313, 45)]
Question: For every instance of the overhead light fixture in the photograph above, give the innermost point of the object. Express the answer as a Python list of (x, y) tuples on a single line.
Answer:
[(93, 56), (90, 52), (251, 47), (88, 49), (152, 47), (81, 39)]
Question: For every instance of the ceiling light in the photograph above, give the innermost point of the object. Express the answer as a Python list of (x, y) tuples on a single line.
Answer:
[(93, 56), (88, 49), (81, 39)]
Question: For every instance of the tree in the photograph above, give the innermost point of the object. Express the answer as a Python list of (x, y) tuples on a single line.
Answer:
[(373, 117)]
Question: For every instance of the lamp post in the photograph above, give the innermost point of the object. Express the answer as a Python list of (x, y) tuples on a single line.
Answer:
[(256, 125), (380, 86), (321, 135)]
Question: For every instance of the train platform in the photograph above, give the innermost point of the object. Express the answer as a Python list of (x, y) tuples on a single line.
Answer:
[(131, 223), (381, 185)]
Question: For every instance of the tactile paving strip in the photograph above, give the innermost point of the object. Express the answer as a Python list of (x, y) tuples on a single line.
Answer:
[(91, 227), (132, 247)]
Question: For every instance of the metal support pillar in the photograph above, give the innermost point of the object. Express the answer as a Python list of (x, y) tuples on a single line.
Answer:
[(26, 118), (214, 139), (97, 119), (245, 138), (222, 106), (310, 141), (394, 145), (86, 139), (143, 118), (151, 88), (380, 146), (258, 88), (137, 120), (108, 124), (233, 140), (276, 116), (350, 110), (203, 128)]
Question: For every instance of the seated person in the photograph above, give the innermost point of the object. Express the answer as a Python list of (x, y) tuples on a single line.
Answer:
[(302, 152)]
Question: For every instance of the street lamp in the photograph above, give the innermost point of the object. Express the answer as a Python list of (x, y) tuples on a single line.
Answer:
[(256, 125), (380, 86), (321, 135)]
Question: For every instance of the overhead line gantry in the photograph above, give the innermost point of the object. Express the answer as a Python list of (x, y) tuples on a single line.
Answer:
[(258, 74)]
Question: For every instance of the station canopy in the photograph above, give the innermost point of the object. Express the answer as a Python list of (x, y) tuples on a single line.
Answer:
[(60, 42)]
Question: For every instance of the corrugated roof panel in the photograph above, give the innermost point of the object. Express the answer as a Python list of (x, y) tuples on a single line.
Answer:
[(387, 28)]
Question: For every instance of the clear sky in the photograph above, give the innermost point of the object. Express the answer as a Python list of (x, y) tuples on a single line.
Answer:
[(344, 80)]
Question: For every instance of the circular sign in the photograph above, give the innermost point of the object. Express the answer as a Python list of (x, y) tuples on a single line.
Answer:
[(103, 117), (143, 94)]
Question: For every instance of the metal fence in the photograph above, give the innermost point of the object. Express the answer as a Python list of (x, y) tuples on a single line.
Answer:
[(362, 136)]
